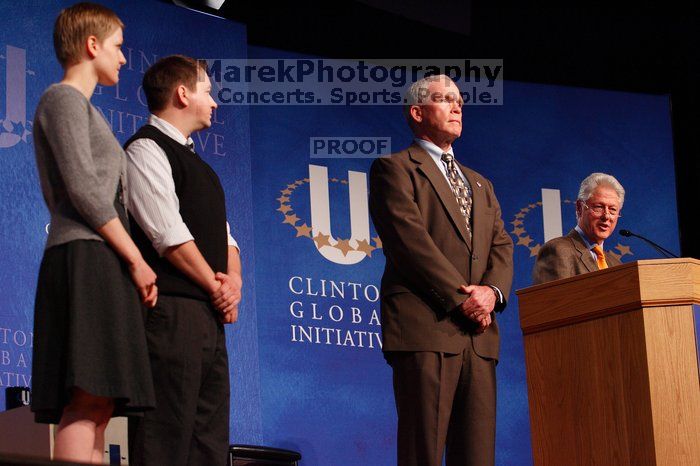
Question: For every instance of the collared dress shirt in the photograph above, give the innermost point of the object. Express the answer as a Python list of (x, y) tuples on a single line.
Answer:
[(152, 198)]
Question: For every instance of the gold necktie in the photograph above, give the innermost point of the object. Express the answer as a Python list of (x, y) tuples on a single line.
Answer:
[(461, 190), (600, 257)]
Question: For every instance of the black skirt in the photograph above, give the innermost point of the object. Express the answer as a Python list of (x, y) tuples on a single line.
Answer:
[(88, 332)]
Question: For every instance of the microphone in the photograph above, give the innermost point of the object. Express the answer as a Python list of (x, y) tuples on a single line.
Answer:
[(665, 252)]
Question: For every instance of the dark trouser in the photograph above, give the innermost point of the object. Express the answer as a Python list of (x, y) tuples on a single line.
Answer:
[(445, 402), (189, 427)]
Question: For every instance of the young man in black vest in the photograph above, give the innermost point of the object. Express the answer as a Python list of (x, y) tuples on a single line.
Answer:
[(179, 223)]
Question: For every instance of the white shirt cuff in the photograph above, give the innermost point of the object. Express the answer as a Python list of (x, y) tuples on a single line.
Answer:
[(175, 235), (499, 294)]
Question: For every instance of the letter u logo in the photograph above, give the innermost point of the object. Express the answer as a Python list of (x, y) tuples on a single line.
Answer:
[(321, 213), (12, 126)]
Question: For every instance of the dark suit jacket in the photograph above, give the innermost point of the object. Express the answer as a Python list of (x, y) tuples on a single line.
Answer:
[(564, 257), (428, 257)]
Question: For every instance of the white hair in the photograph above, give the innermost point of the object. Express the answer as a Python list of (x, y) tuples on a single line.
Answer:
[(418, 92), (594, 180)]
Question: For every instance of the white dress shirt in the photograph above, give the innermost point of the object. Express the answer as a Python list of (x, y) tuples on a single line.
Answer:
[(152, 198)]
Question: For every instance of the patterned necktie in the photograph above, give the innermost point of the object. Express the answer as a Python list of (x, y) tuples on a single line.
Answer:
[(462, 191), (600, 257)]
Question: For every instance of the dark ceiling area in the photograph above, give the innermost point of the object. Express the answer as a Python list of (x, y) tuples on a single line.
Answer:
[(645, 48)]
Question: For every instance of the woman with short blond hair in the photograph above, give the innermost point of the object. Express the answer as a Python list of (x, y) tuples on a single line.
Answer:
[(90, 359)]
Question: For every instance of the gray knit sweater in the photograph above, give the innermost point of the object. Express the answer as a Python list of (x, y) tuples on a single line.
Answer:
[(80, 164)]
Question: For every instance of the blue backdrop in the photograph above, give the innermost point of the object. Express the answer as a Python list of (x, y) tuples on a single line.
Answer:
[(306, 365)]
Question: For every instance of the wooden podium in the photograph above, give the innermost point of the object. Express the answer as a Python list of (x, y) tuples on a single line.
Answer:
[(612, 366)]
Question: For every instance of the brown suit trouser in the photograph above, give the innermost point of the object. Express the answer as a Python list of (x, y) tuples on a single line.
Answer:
[(445, 403)]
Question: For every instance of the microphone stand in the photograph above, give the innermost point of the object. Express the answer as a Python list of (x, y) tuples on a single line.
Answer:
[(665, 252)]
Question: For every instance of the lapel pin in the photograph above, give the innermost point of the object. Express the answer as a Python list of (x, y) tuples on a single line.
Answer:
[(478, 184)]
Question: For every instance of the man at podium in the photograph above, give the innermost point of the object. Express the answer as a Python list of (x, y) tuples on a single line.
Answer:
[(600, 199)]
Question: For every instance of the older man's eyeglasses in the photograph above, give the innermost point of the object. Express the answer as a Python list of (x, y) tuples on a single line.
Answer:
[(449, 97), (598, 210)]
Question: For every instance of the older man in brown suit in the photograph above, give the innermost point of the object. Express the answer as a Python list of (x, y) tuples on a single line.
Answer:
[(598, 206), (449, 265)]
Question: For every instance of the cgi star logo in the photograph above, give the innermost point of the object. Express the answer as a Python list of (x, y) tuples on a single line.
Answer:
[(344, 251)]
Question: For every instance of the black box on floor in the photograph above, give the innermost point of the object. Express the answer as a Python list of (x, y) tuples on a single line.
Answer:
[(253, 455)]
